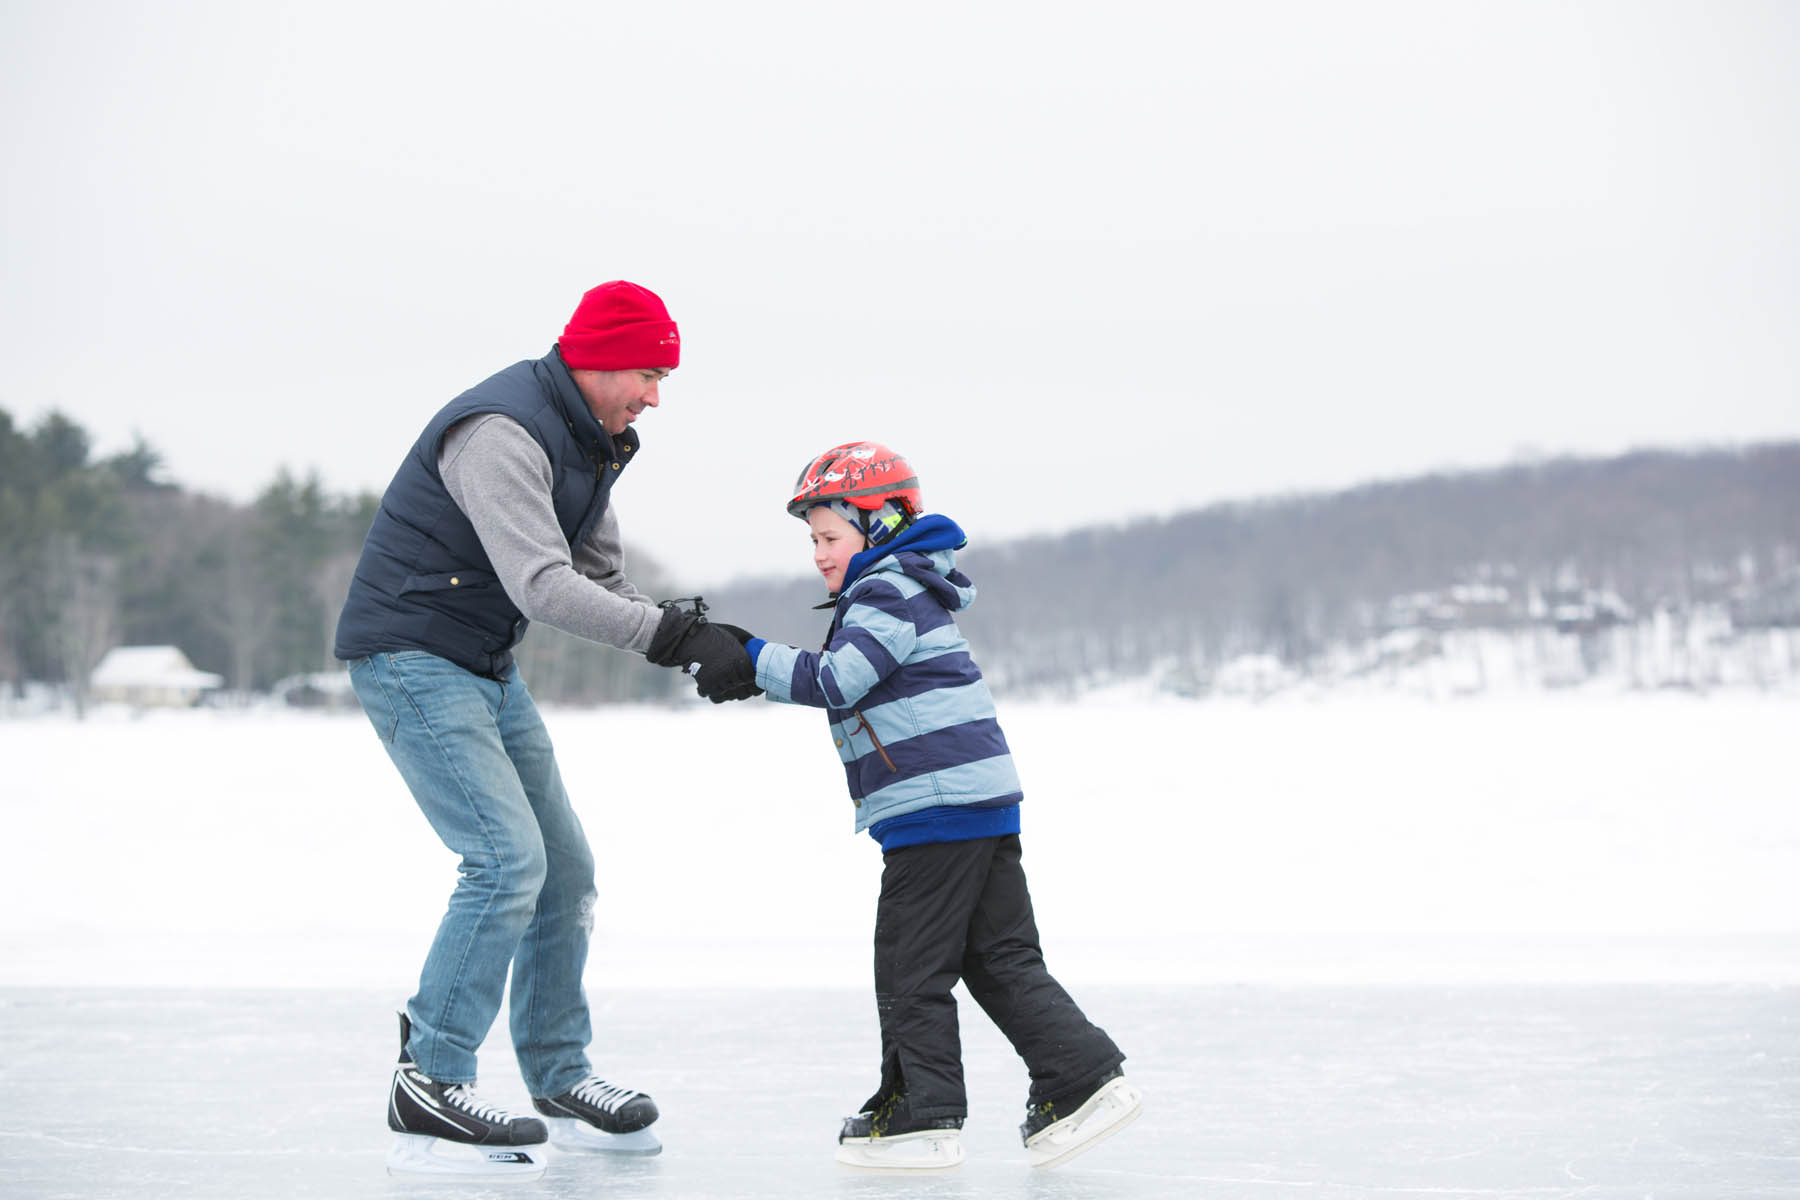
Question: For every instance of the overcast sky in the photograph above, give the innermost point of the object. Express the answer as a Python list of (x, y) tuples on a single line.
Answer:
[(1079, 262)]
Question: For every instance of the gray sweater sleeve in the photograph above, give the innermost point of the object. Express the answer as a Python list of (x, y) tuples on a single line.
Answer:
[(500, 478)]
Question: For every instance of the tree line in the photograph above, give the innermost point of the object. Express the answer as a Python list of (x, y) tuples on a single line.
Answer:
[(101, 552), (98, 552)]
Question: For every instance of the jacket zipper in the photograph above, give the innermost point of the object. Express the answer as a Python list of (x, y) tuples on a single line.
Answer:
[(862, 723)]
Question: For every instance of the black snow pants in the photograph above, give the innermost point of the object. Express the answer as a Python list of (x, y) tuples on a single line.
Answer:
[(961, 909)]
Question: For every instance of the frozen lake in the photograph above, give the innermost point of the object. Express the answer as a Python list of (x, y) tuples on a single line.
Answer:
[(1563, 838), (1532, 946), (1266, 1092)]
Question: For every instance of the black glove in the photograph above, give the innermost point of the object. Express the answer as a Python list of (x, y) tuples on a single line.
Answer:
[(725, 671), (740, 686)]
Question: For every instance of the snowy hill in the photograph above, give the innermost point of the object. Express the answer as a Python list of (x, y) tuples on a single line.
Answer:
[(1643, 572)]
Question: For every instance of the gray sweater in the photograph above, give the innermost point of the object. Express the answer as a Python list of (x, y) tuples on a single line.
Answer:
[(500, 478)]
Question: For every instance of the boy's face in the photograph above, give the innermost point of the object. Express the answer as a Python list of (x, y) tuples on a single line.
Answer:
[(835, 541)]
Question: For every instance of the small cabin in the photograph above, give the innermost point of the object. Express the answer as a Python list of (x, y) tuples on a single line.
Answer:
[(149, 677)]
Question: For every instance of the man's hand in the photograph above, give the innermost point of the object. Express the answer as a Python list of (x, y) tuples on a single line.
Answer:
[(723, 668)]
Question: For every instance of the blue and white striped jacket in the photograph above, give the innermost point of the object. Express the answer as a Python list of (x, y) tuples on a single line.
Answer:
[(913, 720)]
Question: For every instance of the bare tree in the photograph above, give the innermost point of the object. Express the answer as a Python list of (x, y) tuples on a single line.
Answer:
[(243, 608), (82, 598), (10, 674)]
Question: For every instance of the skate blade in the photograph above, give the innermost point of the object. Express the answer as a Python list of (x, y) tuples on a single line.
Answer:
[(1106, 1112), (421, 1154), (905, 1154), (574, 1136)]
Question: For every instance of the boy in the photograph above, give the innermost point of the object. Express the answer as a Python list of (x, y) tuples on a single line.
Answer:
[(932, 781)]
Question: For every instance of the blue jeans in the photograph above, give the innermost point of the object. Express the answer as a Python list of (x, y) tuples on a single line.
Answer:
[(478, 760)]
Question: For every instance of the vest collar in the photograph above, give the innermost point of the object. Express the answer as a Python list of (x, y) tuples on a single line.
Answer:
[(588, 431)]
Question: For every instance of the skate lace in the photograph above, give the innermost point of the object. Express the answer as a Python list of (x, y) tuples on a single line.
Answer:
[(463, 1097), (603, 1095)]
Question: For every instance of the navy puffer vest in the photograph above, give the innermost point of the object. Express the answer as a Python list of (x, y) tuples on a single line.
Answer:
[(424, 582)]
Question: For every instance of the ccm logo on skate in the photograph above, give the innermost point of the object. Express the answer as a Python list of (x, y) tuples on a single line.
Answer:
[(509, 1156)]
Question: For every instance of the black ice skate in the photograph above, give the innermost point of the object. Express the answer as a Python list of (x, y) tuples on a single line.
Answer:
[(889, 1138), (1055, 1132), (446, 1129), (596, 1117)]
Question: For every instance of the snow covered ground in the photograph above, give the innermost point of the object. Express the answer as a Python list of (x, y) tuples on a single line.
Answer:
[(1532, 946), (1561, 838)]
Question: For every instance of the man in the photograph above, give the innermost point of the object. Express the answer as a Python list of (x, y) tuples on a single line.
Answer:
[(499, 516)]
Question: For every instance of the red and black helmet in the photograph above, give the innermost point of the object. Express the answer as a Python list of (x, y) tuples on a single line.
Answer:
[(865, 475)]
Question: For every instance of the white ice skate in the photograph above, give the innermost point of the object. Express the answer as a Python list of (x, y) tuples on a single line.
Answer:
[(1114, 1105), (904, 1153), (887, 1138)]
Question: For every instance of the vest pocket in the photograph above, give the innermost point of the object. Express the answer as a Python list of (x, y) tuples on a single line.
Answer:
[(446, 581)]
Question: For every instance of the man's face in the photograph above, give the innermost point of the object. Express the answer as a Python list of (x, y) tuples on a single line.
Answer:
[(835, 542), (617, 397)]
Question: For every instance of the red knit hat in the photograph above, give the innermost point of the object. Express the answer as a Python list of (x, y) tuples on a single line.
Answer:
[(620, 326)]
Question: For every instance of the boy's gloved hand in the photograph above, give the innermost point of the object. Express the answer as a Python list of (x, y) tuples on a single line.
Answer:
[(740, 687), (724, 672)]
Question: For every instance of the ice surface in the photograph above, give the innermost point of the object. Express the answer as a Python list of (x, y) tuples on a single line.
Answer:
[(1532, 947), (1269, 1092)]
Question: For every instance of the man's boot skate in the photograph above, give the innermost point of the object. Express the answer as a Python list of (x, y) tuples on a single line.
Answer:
[(1056, 1131), (445, 1129), (887, 1137), (596, 1117)]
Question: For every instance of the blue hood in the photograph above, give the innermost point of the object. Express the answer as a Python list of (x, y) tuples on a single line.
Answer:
[(924, 551)]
